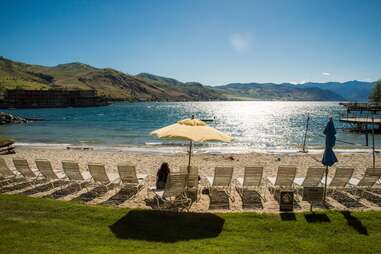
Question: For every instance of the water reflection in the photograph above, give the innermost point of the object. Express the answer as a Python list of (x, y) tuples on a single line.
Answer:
[(254, 125)]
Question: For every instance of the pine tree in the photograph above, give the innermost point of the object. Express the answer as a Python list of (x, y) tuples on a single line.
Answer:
[(376, 93)]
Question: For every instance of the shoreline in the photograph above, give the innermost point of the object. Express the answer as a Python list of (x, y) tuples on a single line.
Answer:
[(182, 149)]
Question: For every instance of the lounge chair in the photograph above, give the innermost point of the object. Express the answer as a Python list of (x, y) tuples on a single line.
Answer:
[(7, 176), (5, 172), (313, 177), (371, 177), (98, 174), (192, 179), (221, 180), (251, 180), (340, 179), (73, 173), (284, 179), (22, 166), (46, 169), (129, 178), (174, 195)]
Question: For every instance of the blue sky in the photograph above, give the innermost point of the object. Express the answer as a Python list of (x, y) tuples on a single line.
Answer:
[(213, 42)]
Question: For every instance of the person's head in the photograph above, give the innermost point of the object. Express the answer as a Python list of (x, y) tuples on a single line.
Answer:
[(164, 166)]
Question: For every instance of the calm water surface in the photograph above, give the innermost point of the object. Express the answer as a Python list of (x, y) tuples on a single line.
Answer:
[(254, 125)]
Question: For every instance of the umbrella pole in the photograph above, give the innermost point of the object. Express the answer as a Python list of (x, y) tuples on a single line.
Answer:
[(374, 151), (325, 182), (190, 155)]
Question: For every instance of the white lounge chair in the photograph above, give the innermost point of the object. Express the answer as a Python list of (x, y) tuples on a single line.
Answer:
[(340, 179), (174, 195), (192, 180), (221, 180), (72, 171), (7, 176), (22, 166), (371, 177), (46, 169), (129, 178), (284, 179), (99, 175), (313, 177), (5, 172), (251, 180)]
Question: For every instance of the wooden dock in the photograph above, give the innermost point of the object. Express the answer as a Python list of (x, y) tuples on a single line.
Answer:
[(360, 120), (362, 107)]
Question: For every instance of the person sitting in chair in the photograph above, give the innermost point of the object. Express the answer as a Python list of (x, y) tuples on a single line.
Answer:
[(162, 176)]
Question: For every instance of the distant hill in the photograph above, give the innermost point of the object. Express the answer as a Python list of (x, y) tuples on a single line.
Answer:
[(351, 90), (284, 92), (117, 85), (109, 82)]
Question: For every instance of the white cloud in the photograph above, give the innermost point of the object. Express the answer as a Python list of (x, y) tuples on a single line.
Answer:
[(326, 74), (240, 42)]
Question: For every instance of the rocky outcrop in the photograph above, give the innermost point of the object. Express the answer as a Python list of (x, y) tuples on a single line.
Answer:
[(6, 118)]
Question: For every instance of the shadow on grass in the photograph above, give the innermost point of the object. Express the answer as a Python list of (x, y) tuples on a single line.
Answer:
[(316, 217), (287, 216), (162, 226), (355, 223)]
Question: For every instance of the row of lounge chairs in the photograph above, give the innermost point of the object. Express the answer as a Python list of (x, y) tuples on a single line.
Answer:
[(180, 184), (71, 172)]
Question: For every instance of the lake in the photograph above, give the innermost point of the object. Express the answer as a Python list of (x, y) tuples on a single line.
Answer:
[(255, 125)]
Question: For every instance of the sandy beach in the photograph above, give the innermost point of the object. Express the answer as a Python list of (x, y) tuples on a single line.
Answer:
[(147, 163)]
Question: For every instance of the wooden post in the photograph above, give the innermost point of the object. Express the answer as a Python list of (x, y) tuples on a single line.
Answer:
[(367, 138), (190, 155), (305, 134)]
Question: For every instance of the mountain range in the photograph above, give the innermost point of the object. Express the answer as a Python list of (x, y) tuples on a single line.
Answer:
[(117, 85)]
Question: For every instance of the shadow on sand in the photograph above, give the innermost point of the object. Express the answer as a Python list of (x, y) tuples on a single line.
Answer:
[(355, 223), (162, 226)]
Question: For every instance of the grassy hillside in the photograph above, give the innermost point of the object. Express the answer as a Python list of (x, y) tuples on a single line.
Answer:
[(148, 87), (283, 92), (111, 83)]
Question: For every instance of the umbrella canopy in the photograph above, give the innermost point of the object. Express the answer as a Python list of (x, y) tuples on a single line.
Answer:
[(193, 130), (329, 157)]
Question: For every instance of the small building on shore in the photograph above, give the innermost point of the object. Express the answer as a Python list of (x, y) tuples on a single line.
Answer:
[(20, 98)]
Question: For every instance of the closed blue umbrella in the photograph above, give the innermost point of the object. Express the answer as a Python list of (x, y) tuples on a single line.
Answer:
[(329, 157)]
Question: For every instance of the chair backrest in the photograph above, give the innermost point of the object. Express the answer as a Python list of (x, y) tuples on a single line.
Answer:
[(285, 176), (22, 166), (4, 169), (222, 176), (175, 185), (72, 171), (46, 169), (342, 177), (252, 176), (313, 177), (127, 174), (371, 176), (192, 177), (98, 172)]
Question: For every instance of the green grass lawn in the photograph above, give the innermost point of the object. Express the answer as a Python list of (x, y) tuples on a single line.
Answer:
[(32, 225)]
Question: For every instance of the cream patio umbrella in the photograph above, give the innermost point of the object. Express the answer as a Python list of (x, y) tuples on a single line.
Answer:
[(193, 130)]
